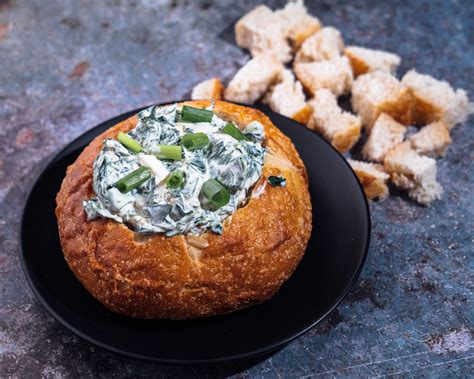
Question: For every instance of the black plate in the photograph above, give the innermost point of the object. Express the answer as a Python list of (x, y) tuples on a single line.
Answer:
[(330, 267)]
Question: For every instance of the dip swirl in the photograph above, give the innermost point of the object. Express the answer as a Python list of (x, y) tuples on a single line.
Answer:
[(155, 206)]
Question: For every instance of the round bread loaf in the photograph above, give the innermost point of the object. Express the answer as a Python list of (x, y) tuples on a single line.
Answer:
[(179, 277)]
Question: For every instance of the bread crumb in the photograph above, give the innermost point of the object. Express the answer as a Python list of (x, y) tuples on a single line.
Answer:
[(299, 23), (373, 178), (286, 96), (262, 32), (341, 128), (208, 89), (385, 135), (334, 74), (431, 140), (413, 172), (436, 100), (365, 60), (303, 115), (323, 45), (377, 92), (253, 79)]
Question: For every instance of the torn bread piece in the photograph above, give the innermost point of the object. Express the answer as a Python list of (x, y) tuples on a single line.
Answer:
[(334, 74), (341, 128), (377, 92), (299, 23), (384, 136), (323, 45), (365, 60), (208, 89), (436, 100), (287, 97), (253, 79), (431, 140), (413, 172), (373, 178), (262, 32)]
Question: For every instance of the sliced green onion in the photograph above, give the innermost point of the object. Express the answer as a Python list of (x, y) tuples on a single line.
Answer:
[(175, 180), (191, 114), (168, 152), (215, 193), (133, 180), (194, 141), (233, 131), (129, 142)]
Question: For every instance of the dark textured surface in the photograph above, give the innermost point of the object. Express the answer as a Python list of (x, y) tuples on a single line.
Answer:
[(65, 66)]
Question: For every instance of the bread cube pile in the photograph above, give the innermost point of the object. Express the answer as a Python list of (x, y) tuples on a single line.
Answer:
[(300, 68)]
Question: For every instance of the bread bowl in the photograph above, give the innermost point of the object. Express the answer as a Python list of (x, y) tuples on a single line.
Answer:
[(189, 275)]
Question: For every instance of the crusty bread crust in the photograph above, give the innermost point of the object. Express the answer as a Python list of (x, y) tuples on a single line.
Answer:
[(153, 276), (345, 139), (303, 115), (364, 60), (432, 139), (373, 178), (393, 98), (358, 65), (425, 112), (334, 74)]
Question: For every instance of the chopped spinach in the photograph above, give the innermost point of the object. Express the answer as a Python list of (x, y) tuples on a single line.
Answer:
[(154, 207)]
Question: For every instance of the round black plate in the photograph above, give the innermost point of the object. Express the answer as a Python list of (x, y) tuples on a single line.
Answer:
[(331, 265)]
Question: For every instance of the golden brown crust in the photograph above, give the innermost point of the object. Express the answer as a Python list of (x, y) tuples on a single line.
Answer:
[(425, 112), (160, 277), (303, 115), (218, 89), (359, 67), (374, 188), (303, 34), (344, 140), (400, 109)]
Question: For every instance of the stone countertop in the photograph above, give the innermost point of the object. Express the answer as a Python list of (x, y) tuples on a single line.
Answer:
[(65, 66)]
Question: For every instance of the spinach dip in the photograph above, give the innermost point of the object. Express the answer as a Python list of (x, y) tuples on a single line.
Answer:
[(177, 172)]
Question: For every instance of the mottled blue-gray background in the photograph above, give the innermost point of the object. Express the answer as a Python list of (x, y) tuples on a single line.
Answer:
[(65, 66)]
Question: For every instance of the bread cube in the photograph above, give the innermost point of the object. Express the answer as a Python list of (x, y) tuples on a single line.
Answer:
[(384, 136), (263, 32), (334, 74), (373, 178), (377, 92), (287, 98), (208, 89), (341, 128), (253, 79), (413, 172), (431, 140), (300, 25), (436, 100), (365, 60), (323, 45)]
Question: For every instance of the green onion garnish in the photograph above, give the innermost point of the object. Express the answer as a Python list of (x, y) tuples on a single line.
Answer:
[(129, 142), (194, 141), (168, 152), (233, 131), (175, 180), (215, 193), (191, 114), (133, 180), (276, 181)]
